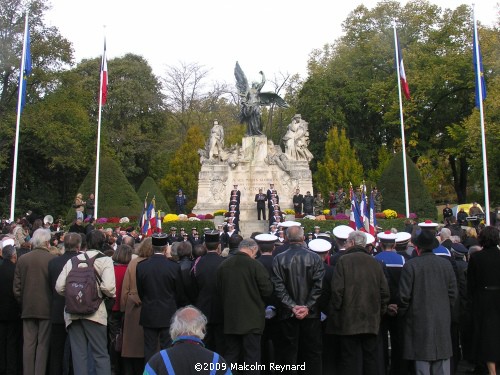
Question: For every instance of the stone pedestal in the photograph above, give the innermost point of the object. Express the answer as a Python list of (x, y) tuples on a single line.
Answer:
[(252, 170)]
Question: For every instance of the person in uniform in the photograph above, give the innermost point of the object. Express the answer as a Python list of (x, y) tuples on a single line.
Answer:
[(160, 288), (261, 199), (172, 236), (340, 234), (308, 204), (447, 213), (340, 196), (377, 197), (235, 194), (205, 291), (180, 202), (394, 263), (318, 204), (297, 200)]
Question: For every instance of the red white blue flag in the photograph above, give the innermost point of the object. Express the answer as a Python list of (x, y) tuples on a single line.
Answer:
[(402, 74), (104, 77)]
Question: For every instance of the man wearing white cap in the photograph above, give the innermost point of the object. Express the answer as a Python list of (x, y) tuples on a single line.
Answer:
[(359, 298), (285, 244), (340, 232), (298, 279), (394, 263)]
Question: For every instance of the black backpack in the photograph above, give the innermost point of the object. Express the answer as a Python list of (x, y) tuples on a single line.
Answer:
[(82, 296)]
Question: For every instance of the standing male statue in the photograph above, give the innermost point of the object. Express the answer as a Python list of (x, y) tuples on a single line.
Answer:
[(252, 99)]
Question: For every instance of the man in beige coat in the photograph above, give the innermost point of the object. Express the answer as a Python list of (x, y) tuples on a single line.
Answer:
[(31, 289)]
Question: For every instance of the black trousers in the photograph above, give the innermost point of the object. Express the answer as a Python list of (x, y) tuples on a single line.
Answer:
[(10, 346), (350, 349), (243, 349), (261, 209), (59, 356), (305, 333), (153, 337)]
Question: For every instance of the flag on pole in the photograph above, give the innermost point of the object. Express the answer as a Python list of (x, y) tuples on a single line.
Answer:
[(151, 217), (365, 214), (402, 74), (354, 218), (25, 64), (104, 76), (476, 56), (373, 218), (144, 223)]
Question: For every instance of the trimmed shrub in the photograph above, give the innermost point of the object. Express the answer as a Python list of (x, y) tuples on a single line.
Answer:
[(117, 198), (391, 185), (151, 189)]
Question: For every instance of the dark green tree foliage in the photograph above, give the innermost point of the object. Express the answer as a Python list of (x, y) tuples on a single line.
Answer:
[(352, 82), (150, 189), (391, 185), (117, 198), (184, 169)]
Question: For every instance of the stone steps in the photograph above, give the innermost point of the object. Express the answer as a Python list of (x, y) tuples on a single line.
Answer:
[(247, 227)]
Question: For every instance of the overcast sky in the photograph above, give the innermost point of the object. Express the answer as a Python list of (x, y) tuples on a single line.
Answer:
[(269, 35)]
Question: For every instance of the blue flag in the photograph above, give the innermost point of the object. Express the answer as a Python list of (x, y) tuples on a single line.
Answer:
[(480, 79), (27, 65)]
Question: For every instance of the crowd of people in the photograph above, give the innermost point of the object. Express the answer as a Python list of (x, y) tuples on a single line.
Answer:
[(345, 302)]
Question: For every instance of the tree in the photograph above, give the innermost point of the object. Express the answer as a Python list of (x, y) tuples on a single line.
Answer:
[(184, 169), (150, 189), (117, 198), (340, 165), (353, 83), (391, 185)]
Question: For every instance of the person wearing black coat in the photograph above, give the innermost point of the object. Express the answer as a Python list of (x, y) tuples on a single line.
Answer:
[(261, 199), (298, 278), (10, 316), (160, 288), (483, 287), (204, 279), (59, 357)]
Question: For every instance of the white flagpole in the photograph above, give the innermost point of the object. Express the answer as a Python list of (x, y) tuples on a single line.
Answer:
[(403, 145), (18, 123), (97, 160), (481, 116)]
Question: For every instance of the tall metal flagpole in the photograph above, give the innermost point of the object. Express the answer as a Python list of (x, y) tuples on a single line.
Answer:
[(403, 142), (18, 123), (481, 116), (97, 159)]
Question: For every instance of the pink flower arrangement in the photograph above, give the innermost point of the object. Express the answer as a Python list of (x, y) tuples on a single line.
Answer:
[(341, 217), (102, 220), (201, 216)]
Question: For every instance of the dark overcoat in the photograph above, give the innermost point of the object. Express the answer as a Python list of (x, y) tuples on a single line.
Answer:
[(483, 284), (427, 290), (360, 294), (243, 283), (159, 284)]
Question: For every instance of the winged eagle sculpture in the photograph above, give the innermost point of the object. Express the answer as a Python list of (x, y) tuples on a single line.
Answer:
[(251, 99)]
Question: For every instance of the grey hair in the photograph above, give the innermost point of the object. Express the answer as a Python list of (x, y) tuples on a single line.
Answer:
[(248, 243), (8, 252), (474, 249), (295, 234), (358, 238), (40, 237), (445, 234), (188, 321)]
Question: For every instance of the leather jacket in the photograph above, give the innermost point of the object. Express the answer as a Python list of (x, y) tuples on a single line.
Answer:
[(298, 278)]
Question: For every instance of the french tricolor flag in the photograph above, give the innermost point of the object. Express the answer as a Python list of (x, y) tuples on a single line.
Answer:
[(104, 77), (402, 74)]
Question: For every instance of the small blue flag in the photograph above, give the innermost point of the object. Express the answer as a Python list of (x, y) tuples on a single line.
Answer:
[(480, 80), (27, 65)]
